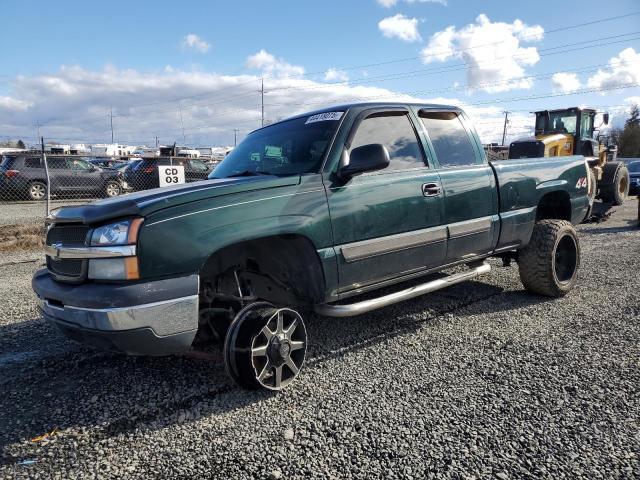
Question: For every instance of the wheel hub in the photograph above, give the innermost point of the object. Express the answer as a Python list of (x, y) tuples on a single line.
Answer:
[(265, 346)]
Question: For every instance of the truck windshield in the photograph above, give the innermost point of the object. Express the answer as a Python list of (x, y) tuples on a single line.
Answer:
[(292, 147)]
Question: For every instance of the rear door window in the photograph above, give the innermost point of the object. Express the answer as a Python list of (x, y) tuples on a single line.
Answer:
[(450, 140), (79, 165), (33, 162), (56, 163), (395, 131)]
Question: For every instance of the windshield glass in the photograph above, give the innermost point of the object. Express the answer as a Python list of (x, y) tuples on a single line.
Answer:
[(293, 147), (562, 122), (634, 167)]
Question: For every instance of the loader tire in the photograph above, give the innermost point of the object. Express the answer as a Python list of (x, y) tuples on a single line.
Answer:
[(549, 264), (617, 190)]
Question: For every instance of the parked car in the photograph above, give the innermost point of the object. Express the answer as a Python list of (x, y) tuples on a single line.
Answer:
[(144, 174), (308, 214), (23, 176), (634, 177)]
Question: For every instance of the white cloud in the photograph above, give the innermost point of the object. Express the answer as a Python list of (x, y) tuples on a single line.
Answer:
[(623, 69), (565, 82), (393, 3), (194, 43), (335, 75), (268, 63), (401, 27), (73, 104), (492, 52), (13, 104)]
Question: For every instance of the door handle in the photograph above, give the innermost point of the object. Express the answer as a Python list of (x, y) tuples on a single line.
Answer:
[(430, 189)]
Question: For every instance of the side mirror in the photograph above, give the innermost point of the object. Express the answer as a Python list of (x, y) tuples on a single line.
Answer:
[(366, 158), (605, 118)]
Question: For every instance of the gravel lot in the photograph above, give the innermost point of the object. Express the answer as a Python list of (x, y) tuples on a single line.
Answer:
[(20, 212), (478, 381)]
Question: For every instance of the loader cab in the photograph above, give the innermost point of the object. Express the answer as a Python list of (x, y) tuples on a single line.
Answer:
[(577, 127)]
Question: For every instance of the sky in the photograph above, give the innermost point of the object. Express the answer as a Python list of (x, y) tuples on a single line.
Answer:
[(191, 72)]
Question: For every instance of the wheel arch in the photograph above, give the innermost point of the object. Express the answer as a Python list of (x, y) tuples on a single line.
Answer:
[(282, 269), (555, 205)]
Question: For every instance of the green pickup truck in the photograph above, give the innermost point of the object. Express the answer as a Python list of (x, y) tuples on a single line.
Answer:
[(306, 215)]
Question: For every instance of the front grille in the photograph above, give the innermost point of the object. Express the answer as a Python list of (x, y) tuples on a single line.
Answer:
[(69, 269), (66, 267), (67, 234)]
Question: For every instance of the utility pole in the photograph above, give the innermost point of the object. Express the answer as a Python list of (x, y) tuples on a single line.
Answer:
[(504, 129), (111, 121), (184, 140), (262, 97), (38, 127), (235, 136), (156, 141)]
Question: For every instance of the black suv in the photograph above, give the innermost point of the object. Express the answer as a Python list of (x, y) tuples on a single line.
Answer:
[(24, 176), (144, 175)]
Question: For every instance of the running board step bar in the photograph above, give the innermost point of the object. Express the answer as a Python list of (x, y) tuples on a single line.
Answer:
[(332, 310)]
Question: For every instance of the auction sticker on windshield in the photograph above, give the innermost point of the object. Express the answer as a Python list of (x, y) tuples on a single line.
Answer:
[(321, 117), (171, 175)]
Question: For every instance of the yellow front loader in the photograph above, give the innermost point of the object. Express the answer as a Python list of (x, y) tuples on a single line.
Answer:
[(571, 131)]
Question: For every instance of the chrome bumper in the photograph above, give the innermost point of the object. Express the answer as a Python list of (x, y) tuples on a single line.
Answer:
[(164, 318), (145, 318)]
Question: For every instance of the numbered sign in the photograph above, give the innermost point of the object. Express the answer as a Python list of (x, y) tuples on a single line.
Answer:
[(171, 175)]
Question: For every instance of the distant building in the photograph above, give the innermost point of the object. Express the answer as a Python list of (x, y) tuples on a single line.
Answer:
[(147, 152), (112, 150), (80, 149), (57, 148), (178, 151), (5, 150), (218, 153), (205, 152)]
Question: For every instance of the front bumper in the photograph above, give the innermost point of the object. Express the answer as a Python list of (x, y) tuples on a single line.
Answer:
[(146, 318)]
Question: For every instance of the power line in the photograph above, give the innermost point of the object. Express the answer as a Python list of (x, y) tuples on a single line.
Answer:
[(430, 72), (564, 28)]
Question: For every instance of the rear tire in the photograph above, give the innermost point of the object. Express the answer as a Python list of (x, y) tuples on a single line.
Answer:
[(549, 263), (112, 189), (37, 191)]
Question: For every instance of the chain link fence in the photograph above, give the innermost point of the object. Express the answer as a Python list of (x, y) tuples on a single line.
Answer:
[(32, 184)]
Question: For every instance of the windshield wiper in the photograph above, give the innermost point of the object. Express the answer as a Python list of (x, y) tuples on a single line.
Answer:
[(248, 173)]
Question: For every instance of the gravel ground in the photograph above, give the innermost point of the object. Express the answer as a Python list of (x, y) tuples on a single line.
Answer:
[(481, 380), (20, 212)]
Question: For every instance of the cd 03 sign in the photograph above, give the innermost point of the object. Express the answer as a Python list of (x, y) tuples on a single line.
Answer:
[(171, 175)]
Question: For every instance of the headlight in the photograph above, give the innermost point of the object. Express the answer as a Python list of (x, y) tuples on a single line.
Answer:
[(120, 233), (124, 232)]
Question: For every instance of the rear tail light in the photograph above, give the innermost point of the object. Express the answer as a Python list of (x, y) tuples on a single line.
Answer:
[(149, 169), (11, 173)]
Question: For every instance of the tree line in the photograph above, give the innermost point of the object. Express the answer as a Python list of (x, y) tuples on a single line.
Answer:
[(12, 144), (628, 138)]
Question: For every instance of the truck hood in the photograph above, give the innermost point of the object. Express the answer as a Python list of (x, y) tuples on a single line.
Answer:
[(148, 201)]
